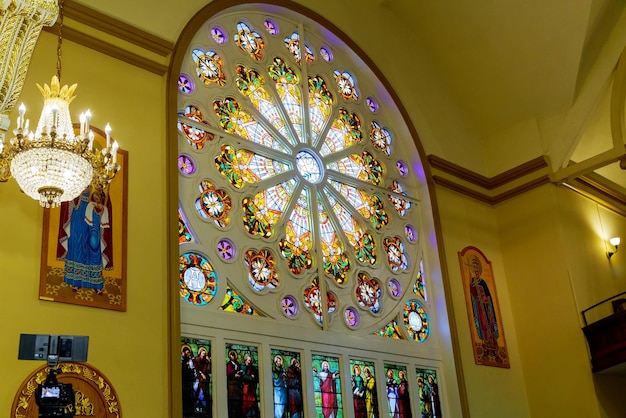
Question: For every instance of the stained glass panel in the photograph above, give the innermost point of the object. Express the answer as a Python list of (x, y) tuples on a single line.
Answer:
[(364, 390), (198, 280), (327, 386), (398, 391)]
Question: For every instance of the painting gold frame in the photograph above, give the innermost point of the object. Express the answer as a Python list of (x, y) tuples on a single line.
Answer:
[(52, 286), (483, 310)]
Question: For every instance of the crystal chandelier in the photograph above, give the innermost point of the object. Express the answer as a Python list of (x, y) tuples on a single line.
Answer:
[(53, 164)]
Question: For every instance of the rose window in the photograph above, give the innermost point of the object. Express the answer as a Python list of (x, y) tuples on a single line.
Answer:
[(291, 183)]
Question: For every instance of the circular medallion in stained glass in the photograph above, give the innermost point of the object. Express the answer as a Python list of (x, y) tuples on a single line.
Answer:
[(271, 27), (352, 317), (197, 278), (186, 165), (226, 249), (372, 104), (410, 232), (185, 84), (326, 54), (309, 166), (416, 321), (402, 168), (395, 288), (218, 35), (290, 306)]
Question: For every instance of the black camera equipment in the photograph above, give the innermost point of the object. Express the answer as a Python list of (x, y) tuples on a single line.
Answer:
[(54, 399)]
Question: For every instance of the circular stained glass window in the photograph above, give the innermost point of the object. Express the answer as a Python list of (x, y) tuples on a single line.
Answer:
[(185, 84), (395, 288), (296, 170), (416, 321), (289, 306), (186, 165), (352, 317)]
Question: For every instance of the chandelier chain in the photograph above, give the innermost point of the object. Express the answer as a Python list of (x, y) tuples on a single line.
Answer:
[(60, 39)]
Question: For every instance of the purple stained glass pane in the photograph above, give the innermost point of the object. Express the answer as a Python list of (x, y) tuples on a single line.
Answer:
[(326, 54), (289, 305), (402, 168), (411, 234), (186, 164), (185, 84), (395, 288), (271, 26), (372, 104), (218, 35), (226, 249), (352, 318)]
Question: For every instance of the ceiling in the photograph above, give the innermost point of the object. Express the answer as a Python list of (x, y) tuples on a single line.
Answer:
[(504, 63)]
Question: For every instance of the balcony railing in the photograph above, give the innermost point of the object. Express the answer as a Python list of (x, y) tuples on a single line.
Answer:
[(606, 337)]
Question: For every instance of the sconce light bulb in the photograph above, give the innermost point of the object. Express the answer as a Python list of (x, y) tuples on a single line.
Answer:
[(615, 241)]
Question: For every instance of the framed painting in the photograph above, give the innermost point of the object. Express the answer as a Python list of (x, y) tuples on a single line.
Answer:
[(483, 310), (83, 251)]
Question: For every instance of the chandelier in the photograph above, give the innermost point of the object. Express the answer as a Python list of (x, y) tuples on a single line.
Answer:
[(53, 164)]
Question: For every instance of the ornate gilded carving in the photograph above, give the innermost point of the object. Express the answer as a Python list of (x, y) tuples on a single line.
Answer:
[(93, 392)]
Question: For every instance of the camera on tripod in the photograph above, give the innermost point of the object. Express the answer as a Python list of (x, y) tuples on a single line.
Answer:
[(54, 399)]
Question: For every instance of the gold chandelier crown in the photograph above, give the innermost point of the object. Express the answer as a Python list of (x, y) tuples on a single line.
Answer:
[(55, 91)]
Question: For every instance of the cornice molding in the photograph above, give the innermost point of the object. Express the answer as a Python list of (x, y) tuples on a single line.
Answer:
[(92, 24), (521, 179)]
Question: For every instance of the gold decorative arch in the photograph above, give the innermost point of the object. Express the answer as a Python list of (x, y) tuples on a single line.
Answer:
[(95, 396)]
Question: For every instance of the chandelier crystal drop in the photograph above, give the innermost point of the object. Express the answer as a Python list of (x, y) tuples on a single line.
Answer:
[(53, 164)]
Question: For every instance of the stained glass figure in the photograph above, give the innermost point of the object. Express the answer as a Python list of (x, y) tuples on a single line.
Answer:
[(242, 381), (364, 388), (416, 321), (287, 383), (428, 391), (197, 380), (198, 280), (398, 391), (327, 386)]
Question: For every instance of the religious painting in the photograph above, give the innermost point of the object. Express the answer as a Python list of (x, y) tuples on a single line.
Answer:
[(242, 381), (483, 310), (287, 384), (397, 389), (428, 391), (83, 251), (197, 384), (327, 387), (364, 391)]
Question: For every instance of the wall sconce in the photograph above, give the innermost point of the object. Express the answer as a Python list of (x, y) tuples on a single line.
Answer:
[(614, 242)]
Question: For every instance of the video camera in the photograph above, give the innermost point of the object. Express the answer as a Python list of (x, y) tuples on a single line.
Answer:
[(54, 399)]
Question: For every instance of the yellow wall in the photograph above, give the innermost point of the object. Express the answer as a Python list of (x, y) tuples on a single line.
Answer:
[(129, 348)]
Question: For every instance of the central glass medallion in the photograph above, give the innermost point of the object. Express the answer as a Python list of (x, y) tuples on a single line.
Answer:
[(309, 166)]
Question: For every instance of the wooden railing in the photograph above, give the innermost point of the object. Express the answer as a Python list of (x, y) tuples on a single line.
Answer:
[(607, 337)]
